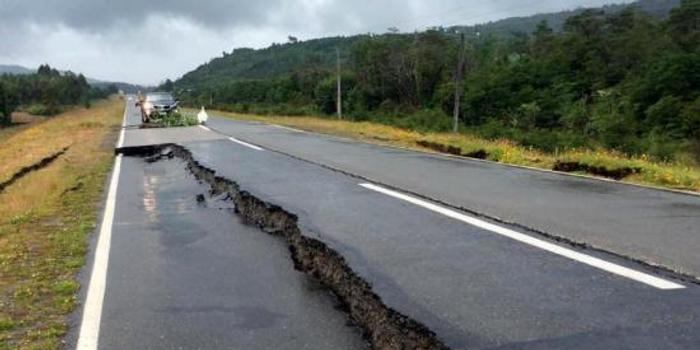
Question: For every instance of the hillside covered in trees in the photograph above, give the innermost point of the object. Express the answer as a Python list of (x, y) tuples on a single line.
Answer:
[(45, 92), (510, 27), (625, 78)]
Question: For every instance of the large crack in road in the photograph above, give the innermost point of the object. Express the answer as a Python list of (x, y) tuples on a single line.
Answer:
[(404, 276), (186, 272), (383, 327), (474, 289)]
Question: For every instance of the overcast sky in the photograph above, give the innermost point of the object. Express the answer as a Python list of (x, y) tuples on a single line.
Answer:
[(148, 41)]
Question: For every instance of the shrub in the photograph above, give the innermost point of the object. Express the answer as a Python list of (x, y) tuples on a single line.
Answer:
[(175, 119), (664, 115), (39, 109)]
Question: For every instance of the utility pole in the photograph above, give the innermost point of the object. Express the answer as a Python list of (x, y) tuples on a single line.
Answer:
[(459, 77), (339, 107)]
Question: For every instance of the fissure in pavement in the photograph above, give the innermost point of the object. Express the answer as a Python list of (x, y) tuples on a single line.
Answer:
[(384, 327)]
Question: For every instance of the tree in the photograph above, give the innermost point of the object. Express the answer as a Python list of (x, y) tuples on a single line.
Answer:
[(46, 70), (543, 39), (168, 85), (684, 25), (690, 118), (617, 77), (664, 115), (5, 112), (45, 92)]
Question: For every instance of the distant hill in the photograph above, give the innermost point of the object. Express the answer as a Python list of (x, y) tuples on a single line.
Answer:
[(507, 27), (126, 87), (245, 64), (277, 59), (15, 69)]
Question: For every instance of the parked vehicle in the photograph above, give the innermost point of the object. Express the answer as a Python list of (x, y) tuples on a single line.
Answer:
[(156, 104)]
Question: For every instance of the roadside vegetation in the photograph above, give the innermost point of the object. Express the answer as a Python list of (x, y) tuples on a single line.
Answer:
[(614, 92), (640, 169), (47, 215), (45, 93), (175, 119)]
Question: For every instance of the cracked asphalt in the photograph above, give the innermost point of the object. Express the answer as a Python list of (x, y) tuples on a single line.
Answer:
[(187, 274)]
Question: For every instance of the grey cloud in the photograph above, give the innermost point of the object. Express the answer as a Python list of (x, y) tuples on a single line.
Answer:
[(147, 41), (104, 14)]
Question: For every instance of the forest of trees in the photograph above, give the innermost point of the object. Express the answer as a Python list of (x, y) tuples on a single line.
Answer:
[(622, 80), (45, 92)]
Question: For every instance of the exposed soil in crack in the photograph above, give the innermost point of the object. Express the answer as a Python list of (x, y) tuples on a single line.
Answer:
[(449, 149), (567, 167), (384, 327), (34, 167), (615, 174)]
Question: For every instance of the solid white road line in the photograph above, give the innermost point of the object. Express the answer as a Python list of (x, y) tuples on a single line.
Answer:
[(286, 128), (245, 144), (242, 143), (120, 143), (92, 312), (552, 248)]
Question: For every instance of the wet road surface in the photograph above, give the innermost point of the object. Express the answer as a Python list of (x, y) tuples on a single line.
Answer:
[(189, 275), (474, 288), (186, 274), (658, 227)]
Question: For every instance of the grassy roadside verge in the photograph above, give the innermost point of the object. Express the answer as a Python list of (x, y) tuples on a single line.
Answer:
[(20, 121), (603, 163), (46, 218)]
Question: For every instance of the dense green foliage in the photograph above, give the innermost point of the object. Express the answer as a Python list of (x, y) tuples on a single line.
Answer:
[(620, 79), (45, 92)]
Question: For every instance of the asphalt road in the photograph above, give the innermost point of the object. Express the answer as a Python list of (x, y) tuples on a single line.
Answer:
[(658, 227), (187, 274), (474, 288)]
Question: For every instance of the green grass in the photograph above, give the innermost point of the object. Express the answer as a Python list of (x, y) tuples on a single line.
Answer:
[(47, 217)]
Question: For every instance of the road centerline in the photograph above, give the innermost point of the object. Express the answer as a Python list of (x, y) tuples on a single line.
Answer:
[(246, 144), (233, 139), (535, 242), (287, 128)]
